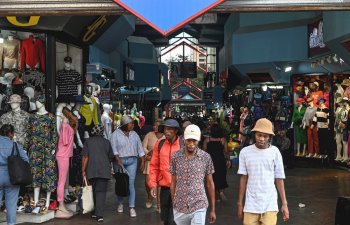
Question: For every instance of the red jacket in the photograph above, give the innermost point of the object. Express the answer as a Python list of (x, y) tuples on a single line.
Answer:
[(160, 163), (33, 53)]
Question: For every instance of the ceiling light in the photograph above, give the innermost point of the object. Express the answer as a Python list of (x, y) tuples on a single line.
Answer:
[(264, 87), (288, 69), (329, 59), (335, 59)]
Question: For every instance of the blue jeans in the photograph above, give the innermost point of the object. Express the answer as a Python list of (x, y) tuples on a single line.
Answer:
[(11, 195), (130, 164)]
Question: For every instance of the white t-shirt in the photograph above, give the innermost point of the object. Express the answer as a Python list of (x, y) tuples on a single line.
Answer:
[(262, 166)]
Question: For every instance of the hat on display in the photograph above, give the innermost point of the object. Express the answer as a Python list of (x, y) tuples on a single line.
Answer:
[(97, 130), (7, 78), (346, 82), (171, 123), (192, 132), (125, 120), (264, 126), (68, 59), (321, 100), (41, 99), (316, 83), (15, 98), (310, 99), (300, 100)]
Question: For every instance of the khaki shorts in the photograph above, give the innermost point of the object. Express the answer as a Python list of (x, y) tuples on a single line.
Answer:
[(267, 218)]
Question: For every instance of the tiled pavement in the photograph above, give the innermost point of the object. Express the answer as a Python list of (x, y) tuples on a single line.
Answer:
[(317, 188)]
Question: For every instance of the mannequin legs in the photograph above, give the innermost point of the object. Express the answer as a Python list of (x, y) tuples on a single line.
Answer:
[(37, 194), (339, 141), (304, 150), (298, 149), (345, 152)]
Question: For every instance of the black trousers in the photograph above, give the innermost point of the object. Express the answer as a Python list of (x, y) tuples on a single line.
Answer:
[(99, 187), (323, 138), (166, 206)]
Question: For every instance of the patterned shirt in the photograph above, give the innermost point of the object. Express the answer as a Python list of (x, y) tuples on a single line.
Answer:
[(19, 120), (126, 146), (190, 193), (68, 81)]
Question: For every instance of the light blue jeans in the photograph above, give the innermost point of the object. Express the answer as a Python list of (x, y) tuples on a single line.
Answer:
[(11, 195), (130, 164), (195, 218)]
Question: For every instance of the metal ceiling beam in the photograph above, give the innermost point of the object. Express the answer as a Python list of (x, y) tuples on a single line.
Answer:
[(103, 7)]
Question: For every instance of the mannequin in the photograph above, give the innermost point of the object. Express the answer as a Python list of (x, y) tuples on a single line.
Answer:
[(316, 93), (42, 145), (346, 83), (133, 110), (321, 121), (107, 121), (89, 111), (142, 120), (17, 118), (33, 54), (312, 135), (68, 80), (29, 92), (339, 127), (345, 122), (63, 154), (300, 133), (244, 113), (11, 52)]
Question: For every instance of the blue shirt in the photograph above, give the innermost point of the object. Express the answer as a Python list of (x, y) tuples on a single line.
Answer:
[(126, 146), (6, 149)]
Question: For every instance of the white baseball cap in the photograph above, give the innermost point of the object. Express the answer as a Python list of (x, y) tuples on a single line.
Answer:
[(192, 132)]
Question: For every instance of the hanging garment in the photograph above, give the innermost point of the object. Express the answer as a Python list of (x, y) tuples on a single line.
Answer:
[(67, 82), (90, 114), (19, 120), (33, 54), (34, 79), (41, 145), (316, 95), (11, 52)]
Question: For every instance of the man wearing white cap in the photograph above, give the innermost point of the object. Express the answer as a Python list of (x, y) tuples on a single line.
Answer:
[(261, 169), (189, 167)]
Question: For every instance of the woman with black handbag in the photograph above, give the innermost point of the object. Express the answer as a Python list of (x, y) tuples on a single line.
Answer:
[(6, 188)]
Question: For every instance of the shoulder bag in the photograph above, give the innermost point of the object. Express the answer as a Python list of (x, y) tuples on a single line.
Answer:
[(122, 183), (19, 170)]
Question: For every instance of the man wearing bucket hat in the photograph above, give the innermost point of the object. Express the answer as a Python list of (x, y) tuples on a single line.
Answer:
[(261, 169), (190, 167), (159, 167), (127, 148)]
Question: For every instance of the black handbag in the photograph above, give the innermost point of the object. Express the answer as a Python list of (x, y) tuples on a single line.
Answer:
[(122, 183), (19, 170), (342, 214)]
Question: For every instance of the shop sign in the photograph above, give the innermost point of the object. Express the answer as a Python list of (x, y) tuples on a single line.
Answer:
[(166, 16), (183, 90), (105, 95), (92, 29), (33, 20)]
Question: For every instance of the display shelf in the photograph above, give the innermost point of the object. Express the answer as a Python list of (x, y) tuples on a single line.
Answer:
[(30, 218)]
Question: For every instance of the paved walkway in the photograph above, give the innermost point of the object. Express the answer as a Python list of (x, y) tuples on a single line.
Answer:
[(317, 188)]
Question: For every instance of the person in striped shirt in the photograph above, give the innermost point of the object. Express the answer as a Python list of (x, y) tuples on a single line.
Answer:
[(261, 171)]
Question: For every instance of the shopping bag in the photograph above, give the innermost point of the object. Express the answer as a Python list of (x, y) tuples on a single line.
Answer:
[(19, 170), (122, 182), (87, 198)]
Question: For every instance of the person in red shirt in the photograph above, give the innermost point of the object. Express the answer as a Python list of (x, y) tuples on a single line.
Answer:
[(159, 168)]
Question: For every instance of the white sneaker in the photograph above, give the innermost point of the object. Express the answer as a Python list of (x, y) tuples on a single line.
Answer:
[(120, 208), (132, 212)]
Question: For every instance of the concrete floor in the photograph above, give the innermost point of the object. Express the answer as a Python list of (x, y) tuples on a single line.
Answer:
[(317, 188)]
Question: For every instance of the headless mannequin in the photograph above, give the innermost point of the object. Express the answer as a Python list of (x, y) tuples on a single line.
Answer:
[(68, 66), (41, 111), (300, 106), (134, 110), (338, 130), (29, 92), (59, 115), (107, 121)]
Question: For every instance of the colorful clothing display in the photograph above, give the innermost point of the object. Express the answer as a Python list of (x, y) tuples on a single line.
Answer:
[(33, 54), (41, 145), (316, 95), (89, 112), (10, 54), (34, 79), (19, 120), (297, 117)]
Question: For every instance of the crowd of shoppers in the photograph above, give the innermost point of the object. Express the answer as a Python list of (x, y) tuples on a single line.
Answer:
[(184, 179)]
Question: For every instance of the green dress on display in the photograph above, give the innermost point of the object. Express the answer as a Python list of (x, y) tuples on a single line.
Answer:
[(297, 118), (41, 144)]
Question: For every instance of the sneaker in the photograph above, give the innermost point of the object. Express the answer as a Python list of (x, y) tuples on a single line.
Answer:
[(120, 208), (93, 216), (149, 204), (132, 212), (99, 219)]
